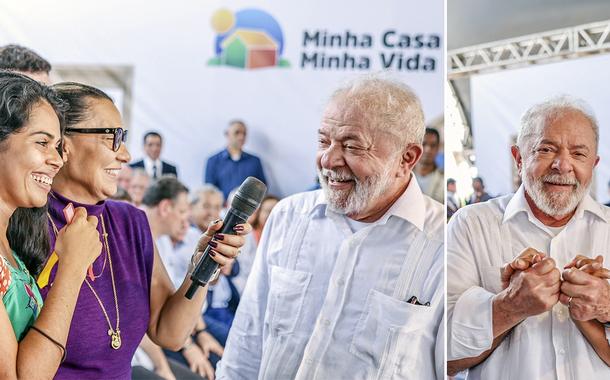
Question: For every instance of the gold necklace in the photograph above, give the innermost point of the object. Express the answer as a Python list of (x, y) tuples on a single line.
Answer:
[(115, 334)]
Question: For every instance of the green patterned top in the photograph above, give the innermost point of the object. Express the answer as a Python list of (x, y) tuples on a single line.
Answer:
[(20, 296)]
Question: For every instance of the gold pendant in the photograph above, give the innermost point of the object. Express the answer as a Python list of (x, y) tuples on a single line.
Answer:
[(115, 339)]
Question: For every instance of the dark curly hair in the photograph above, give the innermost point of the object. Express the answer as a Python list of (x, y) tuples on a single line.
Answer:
[(19, 58)]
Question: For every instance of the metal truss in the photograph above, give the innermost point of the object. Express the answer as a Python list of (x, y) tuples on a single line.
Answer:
[(535, 48)]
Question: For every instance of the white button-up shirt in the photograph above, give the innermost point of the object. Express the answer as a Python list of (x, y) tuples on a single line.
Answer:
[(483, 237), (323, 302), (177, 258)]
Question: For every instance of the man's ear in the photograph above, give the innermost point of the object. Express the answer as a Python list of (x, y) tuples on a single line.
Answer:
[(516, 153), (409, 158), (165, 207)]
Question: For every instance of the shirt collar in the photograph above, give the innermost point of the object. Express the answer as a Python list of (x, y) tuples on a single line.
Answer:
[(518, 204), (410, 206), (148, 161)]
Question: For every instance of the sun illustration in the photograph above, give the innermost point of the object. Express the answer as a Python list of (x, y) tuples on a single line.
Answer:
[(223, 20)]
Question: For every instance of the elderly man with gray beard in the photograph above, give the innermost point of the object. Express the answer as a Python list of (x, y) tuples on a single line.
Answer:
[(347, 282), (512, 313)]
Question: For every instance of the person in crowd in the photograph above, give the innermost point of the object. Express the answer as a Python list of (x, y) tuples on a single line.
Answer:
[(206, 206), (140, 180), (453, 202), (228, 168), (248, 251), (479, 194), (127, 292), (33, 336), (512, 314), (429, 176), (25, 61), (152, 163), (125, 176), (329, 291)]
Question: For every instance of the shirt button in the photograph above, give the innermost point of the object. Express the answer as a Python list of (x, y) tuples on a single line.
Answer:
[(325, 322), (309, 361), (562, 351), (341, 282)]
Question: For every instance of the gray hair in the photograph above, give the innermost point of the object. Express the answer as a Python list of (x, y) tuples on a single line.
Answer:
[(537, 117), (205, 189), (388, 104)]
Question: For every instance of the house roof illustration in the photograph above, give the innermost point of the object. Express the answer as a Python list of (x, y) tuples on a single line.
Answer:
[(251, 38)]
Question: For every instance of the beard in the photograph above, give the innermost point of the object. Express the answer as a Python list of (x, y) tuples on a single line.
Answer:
[(364, 192), (555, 204)]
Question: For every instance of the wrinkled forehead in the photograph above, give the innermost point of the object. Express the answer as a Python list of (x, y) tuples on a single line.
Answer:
[(569, 127), (344, 119)]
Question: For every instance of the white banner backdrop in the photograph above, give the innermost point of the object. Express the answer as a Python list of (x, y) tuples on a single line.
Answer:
[(499, 99), (184, 89)]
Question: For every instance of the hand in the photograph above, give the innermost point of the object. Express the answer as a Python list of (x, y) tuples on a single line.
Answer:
[(165, 372), (78, 243), (584, 292), (209, 344), (534, 290), (225, 247), (527, 258), (198, 362), (593, 267)]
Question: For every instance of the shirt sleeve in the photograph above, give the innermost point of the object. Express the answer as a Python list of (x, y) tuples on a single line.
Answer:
[(209, 175), (243, 351), (469, 306), (260, 174)]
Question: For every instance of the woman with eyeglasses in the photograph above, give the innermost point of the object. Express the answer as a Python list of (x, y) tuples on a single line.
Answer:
[(32, 335), (127, 293)]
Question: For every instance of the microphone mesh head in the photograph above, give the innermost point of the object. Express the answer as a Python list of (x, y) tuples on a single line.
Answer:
[(249, 195)]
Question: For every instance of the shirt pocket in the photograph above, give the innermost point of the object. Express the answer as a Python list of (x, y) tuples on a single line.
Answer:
[(394, 338), (286, 296), (490, 276)]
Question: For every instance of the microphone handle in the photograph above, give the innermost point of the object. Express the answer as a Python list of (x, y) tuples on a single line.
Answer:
[(205, 268)]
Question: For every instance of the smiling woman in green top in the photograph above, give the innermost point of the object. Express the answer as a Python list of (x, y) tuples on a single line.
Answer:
[(33, 336)]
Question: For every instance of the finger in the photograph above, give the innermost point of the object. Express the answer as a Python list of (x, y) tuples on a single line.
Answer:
[(578, 277), (520, 264), (225, 250), (574, 260), (208, 370), (91, 219), (591, 268), (242, 229), (574, 290), (230, 240), (217, 349), (220, 259), (602, 273), (544, 267), (80, 213), (564, 299), (506, 273)]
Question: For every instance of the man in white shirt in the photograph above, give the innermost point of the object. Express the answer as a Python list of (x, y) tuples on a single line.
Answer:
[(347, 281), (534, 322), (152, 163)]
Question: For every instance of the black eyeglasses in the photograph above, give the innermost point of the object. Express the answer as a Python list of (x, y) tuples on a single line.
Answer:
[(120, 134)]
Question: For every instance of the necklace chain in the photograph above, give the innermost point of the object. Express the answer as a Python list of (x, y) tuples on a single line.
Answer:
[(115, 334)]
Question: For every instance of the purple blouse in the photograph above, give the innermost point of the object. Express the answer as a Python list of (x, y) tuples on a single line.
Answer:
[(89, 354)]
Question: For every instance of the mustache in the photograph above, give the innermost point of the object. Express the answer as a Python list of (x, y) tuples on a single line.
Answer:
[(558, 179), (340, 175)]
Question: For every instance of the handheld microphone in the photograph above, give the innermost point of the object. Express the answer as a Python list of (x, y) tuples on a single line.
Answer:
[(248, 197)]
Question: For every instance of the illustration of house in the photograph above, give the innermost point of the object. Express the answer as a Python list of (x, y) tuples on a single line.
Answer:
[(249, 49)]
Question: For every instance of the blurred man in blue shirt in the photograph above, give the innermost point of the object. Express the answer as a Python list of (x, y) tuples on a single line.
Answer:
[(228, 168)]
